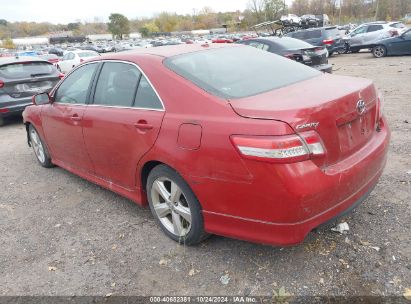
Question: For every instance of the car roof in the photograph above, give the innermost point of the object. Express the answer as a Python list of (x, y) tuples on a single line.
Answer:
[(170, 50), (315, 28), (13, 59)]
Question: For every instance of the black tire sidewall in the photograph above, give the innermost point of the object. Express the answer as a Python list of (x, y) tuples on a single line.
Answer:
[(47, 160), (196, 233)]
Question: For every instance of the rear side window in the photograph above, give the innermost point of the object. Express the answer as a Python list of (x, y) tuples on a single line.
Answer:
[(374, 28), (117, 84), (259, 45), (26, 70), (236, 72), (146, 96), (397, 25)]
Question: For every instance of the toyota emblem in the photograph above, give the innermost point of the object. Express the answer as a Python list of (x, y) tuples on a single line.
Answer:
[(361, 106)]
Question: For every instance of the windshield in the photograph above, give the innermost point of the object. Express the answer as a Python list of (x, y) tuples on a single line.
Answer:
[(236, 72), (26, 69)]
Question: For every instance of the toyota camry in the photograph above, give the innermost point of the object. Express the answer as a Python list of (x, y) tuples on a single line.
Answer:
[(216, 139)]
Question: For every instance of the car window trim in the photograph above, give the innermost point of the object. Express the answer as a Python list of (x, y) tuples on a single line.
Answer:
[(91, 104), (88, 90)]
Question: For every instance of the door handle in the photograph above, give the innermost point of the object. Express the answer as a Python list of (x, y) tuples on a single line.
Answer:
[(143, 125), (75, 117)]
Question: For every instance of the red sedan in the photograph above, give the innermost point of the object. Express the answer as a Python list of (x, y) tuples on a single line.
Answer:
[(216, 139)]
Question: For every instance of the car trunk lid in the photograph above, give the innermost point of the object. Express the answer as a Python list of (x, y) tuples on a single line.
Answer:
[(327, 104)]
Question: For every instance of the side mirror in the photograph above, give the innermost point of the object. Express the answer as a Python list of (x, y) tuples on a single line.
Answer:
[(41, 99)]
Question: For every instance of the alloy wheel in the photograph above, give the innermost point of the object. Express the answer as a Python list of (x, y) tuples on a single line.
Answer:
[(379, 51), (37, 146), (171, 207)]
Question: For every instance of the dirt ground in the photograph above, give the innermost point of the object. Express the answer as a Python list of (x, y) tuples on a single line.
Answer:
[(61, 235)]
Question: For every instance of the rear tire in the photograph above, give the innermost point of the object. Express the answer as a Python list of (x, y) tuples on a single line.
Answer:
[(40, 149), (174, 206), (379, 51)]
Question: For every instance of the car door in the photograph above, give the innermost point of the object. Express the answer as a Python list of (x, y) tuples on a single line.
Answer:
[(358, 35), (400, 45), (123, 122), (62, 119), (374, 32)]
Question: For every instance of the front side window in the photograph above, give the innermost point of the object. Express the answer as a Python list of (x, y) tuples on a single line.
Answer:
[(117, 84), (360, 30), (75, 86), (237, 72)]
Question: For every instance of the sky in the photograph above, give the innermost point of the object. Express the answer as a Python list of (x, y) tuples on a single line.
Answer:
[(58, 11)]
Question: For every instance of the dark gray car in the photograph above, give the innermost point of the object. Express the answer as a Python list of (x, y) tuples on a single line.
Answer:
[(400, 45), (20, 79), (329, 37)]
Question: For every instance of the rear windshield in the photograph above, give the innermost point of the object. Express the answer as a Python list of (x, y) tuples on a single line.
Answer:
[(292, 44), (236, 72), (332, 32), (304, 35), (26, 69), (87, 54)]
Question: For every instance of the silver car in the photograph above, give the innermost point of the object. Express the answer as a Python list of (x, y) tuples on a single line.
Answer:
[(366, 34)]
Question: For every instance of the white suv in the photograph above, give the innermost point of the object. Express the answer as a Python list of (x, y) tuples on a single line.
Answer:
[(366, 34), (291, 19)]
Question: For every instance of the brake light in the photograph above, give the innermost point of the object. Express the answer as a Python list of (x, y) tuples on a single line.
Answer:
[(1, 84), (81, 60), (328, 41), (61, 75), (4, 110), (280, 149)]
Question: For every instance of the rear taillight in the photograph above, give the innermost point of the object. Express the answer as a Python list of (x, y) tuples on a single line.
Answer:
[(328, 41), (1, 84), (4, 110), (81, 60), (280, 149), (61, 75)]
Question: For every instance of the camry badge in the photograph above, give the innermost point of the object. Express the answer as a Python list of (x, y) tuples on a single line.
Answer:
[(361, 106), (308, 125)]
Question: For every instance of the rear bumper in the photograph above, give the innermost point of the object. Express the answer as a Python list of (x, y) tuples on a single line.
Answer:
[(15, 107), (284, 203)]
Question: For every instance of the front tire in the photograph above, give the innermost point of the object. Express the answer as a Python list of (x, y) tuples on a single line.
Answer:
[(379, 51), (39, 148), (174, 206)]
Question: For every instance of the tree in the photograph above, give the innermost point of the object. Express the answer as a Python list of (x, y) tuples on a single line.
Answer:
[(267, 10), (118, 25), (8, 44), (148, 29)]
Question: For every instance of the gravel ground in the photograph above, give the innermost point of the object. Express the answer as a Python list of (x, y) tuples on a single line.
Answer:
[(61, 235)]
